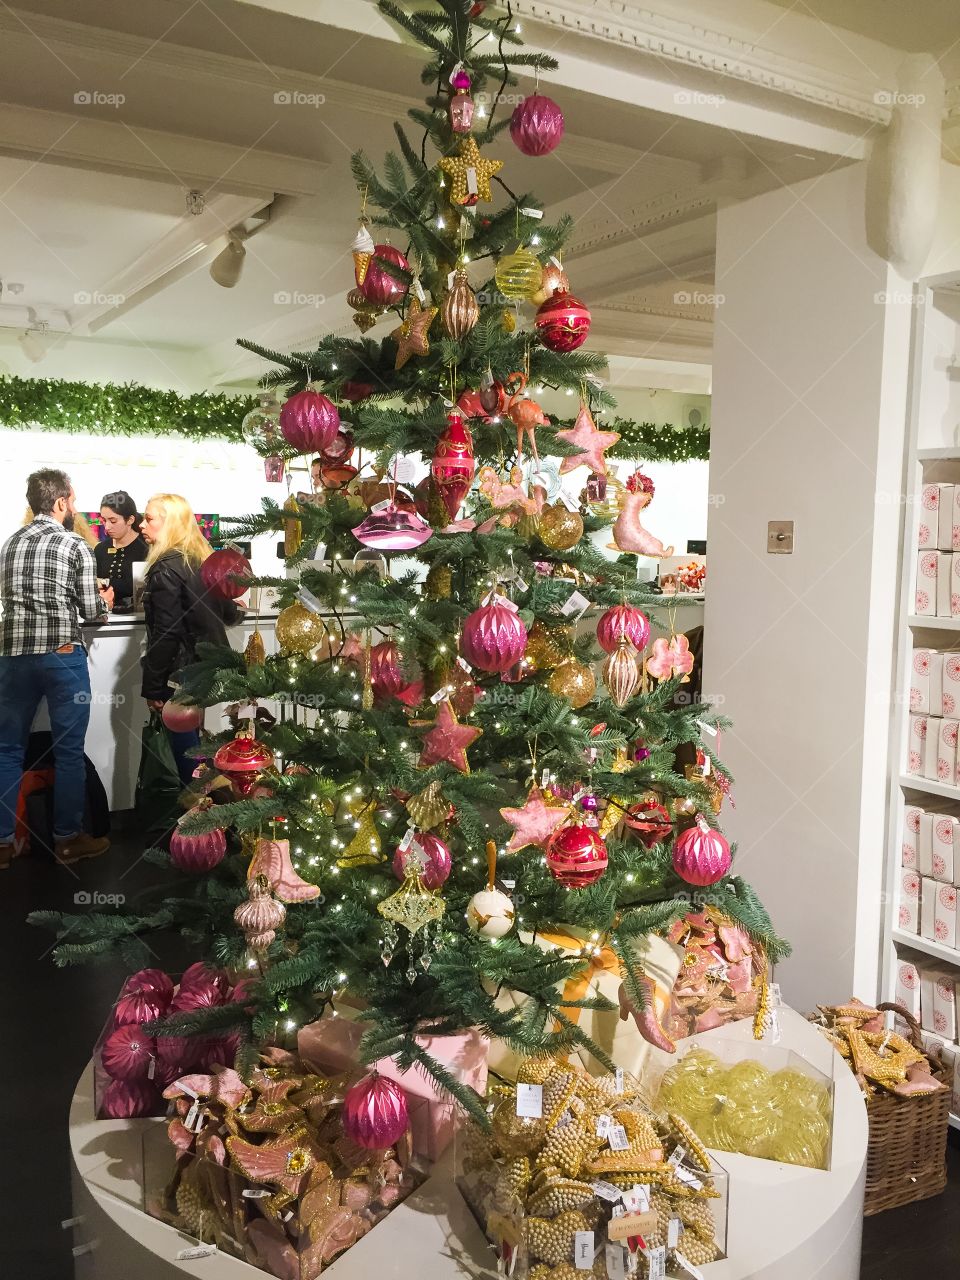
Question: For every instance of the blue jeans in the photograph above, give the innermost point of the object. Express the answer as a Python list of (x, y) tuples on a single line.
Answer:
[(181, 744), (64, 680)]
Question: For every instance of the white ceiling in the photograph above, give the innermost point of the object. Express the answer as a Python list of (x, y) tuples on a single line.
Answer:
[(920, 26), (92, 193)]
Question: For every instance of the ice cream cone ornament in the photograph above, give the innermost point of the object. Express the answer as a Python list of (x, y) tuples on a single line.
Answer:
[(629, 535), (363, 246)]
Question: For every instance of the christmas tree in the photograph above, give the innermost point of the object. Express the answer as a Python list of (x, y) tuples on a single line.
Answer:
[(453, 711)]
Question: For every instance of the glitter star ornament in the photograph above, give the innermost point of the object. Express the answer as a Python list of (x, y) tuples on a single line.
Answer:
[(536, 822), (411, 336), (458, 168), (591, 442), (448, 740)]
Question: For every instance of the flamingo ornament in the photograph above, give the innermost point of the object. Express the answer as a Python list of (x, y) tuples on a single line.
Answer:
[(629, 535), (525, 414)]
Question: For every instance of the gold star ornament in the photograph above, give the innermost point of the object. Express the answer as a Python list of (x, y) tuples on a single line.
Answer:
[(411, 336), (469, 173)]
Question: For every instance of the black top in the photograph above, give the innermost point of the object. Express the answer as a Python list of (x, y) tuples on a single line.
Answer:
[(116, 563), (179, 613)]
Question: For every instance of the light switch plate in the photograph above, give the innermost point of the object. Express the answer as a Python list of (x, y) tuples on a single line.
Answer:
[(780, 537)]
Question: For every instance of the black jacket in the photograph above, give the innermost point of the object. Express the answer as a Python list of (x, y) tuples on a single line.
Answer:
[(178, 612)]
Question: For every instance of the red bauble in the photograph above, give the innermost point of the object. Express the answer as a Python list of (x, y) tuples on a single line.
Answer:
[(181, 1052), (123, 1100), (470, 405), (493, 637), (338, 476), (309, 422), (434, 852), (201, 974), (375, 1113), (241, 760), (178, 717), (134, 1008), (650, 820), (577, 856), (562, 322), (354, 391), (340, 448), (151, 980), (701, 855), (379, 287), (196, 853), (219, 573), (453, 464), (126, 1054), (386, 671), (493, 399), (199, 995), (622, 620), (536, 125)]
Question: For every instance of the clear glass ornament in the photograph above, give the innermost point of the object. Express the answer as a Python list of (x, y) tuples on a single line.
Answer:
[(261, 426)]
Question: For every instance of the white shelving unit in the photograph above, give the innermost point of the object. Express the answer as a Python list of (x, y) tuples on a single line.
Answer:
[(933, 454)]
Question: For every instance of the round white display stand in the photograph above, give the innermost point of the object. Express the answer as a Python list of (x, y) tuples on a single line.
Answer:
[(786, 1223)]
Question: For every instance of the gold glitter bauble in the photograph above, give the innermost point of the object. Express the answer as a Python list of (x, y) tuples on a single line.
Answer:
[(518, 274), (364, 849), (528, 526), (255, 655), (574, 681), (608, 507), (298, 630), (508, 322), (439, 583), (547, 646), (560, 529)]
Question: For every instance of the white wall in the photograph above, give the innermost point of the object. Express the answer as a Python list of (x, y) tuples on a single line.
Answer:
[(809, 402)]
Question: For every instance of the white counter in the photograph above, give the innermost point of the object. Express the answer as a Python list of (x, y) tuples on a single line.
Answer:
[(785, 1223)]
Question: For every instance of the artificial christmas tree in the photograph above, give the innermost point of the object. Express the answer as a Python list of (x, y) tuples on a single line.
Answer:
[(420, 712)]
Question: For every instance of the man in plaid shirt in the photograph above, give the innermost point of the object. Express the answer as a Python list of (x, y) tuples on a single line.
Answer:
[(47, 578)]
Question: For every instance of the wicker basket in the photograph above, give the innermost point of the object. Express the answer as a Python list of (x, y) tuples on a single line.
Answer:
[(907, 1153)]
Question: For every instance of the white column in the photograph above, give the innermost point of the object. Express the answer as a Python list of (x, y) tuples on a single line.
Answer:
[(808, 421)]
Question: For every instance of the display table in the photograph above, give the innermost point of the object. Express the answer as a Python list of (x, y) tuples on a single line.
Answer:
[(786, 1223)]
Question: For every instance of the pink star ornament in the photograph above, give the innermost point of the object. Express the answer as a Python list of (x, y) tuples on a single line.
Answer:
[(535, 822), (448, 740), (592, 443)]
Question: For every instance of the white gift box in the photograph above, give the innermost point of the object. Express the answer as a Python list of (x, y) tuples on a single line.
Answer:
[(955, 586), (956, 517), (945, 500), (917, 743), (944, 583), (928, 975), (926, 680), (944, 912), (946, 751), (925, 845), (909, 910), (955, 1100), (943, 839), (926, 601), (931, 748), (928, 898), (945, 1004), (908, 987), (950, 693), (929, 530), (911, 836)]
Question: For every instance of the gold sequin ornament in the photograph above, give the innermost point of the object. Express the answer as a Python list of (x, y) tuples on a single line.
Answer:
[(560, 529), (547, 646), (460, 310), (439, 583), (464, 188), (574, 681), (299, 630), (254, 653), (292, 528), (364, 848)]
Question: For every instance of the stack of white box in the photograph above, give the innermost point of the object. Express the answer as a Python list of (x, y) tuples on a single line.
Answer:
[(934, 714), (938, 569), (929, 993), (930, 874)]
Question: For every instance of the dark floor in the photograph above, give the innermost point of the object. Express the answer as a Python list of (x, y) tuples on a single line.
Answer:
[(51, 1018)]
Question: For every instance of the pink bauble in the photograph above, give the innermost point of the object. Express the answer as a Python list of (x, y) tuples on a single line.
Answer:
[(340, 448), (577, 856), (202, 974), (181, 1052), (220, 571), (493, 637), (622, 620), (137, 1007), (386, 672), (125, 1099), (200, 995), (151, 980), (217, 1051), (434, 852), (453, 465), (196, 853), (471, 405), (309, 422), (242, 992), (379, 287), (701, 855), (375, 1113), (536, 125), (179, 718), (126, 1054), (392, 529), (562, 322)]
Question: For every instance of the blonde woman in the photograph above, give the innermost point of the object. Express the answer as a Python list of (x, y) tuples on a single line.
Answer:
[(177, 609)]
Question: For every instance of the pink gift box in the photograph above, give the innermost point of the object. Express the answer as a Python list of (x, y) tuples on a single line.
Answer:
[(331, 1045)]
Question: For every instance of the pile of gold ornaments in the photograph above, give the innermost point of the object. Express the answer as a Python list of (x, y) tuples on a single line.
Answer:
[(777, 1115), (534, 1179)]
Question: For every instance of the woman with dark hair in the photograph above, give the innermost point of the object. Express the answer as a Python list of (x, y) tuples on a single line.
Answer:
[(121, 549)]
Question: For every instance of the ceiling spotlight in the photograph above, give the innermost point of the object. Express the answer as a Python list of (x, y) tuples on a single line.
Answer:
[(36, 341), (227, 266)]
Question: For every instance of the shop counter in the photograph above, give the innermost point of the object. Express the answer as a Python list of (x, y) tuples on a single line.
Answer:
[(785, 1222)]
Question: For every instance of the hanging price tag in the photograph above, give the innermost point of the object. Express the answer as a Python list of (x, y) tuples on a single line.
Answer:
[(606, 1191), (442, 692), (637, 1200), (773, 1026), (577, 603), (676, 1155), (603, 1125), (570, 503), (522, 583), (403, 468), (529, 212), (418, 290), (673, 1233), (255, 1193), (619, 1080), (617, 1138), (530, 1100), (309, 600), (708, 728), (776, 999), (198, 1251), (656, 1262), (191, 1118), (381, 506), (689, 1178), (613, 1256), (472, 188), (151, 1067), (583, 1250), (687, 1265)]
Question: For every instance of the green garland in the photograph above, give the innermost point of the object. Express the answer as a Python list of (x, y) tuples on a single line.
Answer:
[(115, 410), (130, 409)]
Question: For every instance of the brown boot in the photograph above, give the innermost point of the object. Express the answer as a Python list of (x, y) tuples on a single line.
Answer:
[(6, 856), (73, 848)]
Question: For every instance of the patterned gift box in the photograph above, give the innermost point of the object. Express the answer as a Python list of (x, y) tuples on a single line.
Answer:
[(909, 909), (917, 744), (911, 835), (929, 529)]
